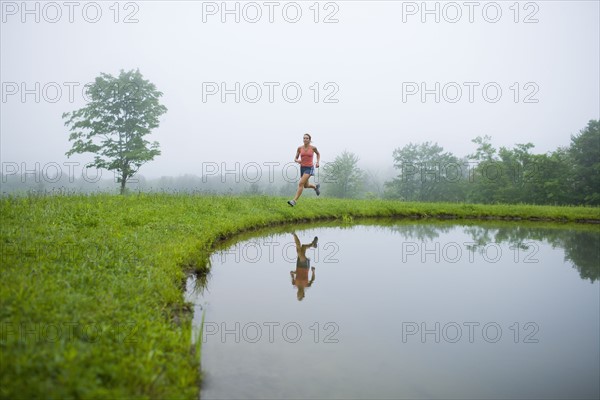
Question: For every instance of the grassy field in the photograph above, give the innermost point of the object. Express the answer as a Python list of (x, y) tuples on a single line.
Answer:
[(92, 286)]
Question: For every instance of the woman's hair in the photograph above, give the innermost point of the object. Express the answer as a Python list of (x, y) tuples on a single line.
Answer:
[(309, 137)]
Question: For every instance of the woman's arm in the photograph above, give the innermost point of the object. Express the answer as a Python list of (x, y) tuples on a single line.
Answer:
[(318, 156), (297, 155)]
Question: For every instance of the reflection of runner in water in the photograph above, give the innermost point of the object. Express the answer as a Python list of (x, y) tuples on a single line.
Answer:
[(300, 276)]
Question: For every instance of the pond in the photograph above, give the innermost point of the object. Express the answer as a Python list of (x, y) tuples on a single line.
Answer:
[(403, 310)]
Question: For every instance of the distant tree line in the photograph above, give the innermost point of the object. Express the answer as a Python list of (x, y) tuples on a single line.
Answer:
[(506, 175), (423, 172)]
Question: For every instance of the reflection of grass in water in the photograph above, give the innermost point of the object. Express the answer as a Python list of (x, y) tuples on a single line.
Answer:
[(347, 219), (92, 297), (200, 275), (199, 337), (200, 281), (198, 342)]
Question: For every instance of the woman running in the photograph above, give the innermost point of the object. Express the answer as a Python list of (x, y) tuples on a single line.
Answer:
[(304, 157)]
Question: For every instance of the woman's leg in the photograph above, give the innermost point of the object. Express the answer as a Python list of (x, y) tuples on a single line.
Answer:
[(309, 185), (301, 185)]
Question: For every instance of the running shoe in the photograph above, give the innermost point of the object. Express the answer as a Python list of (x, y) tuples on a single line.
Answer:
[(318, 189), (292, 203)]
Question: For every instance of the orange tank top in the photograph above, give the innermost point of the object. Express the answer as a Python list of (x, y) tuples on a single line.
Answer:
[(306, 156)]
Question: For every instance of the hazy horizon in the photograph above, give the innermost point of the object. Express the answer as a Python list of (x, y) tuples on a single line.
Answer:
[(369, 63)]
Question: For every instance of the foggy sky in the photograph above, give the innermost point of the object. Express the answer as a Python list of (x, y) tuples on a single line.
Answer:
[(372, 57)]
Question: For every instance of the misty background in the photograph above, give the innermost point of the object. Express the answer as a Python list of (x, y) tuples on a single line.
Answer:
[(361, 68)]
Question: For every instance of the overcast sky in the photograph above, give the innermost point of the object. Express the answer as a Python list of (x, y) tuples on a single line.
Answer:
[(520, 73)]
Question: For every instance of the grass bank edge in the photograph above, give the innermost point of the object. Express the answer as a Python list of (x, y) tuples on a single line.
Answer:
[(351, 210)]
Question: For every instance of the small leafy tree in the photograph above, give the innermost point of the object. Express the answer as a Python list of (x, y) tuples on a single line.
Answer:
[(343, 177), (483, 179), (427, 173), (120, 112)]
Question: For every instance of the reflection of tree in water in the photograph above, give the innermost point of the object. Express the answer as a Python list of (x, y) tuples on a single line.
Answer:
[(577, 250), (582, 248), (480, 236), (420, 232)]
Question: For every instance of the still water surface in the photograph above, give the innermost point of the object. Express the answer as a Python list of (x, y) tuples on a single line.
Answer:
[(403, 310)]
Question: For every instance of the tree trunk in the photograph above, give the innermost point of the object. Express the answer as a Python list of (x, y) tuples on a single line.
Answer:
[(123, 181)]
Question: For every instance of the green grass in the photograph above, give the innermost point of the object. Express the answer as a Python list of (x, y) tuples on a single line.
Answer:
[(92, 286)]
